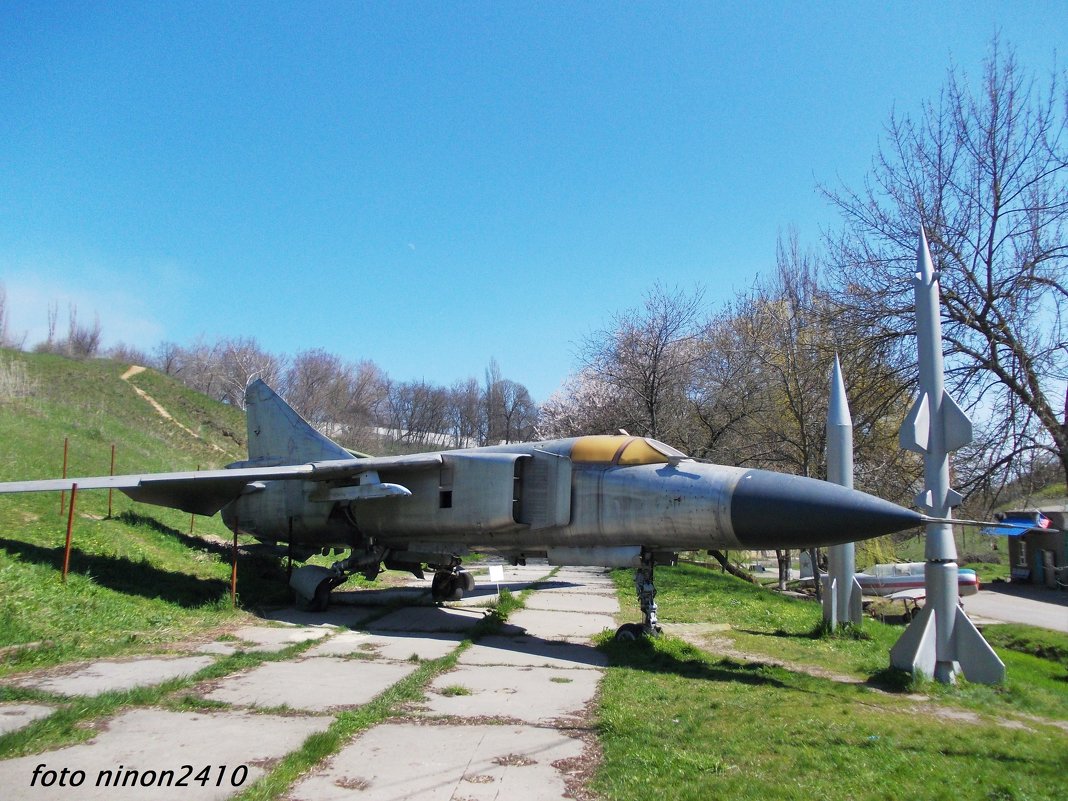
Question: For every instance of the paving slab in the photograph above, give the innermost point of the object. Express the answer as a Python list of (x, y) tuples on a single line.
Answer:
[(530, 694), (439, 763), (533, 652), (573, 602), (486, 594), (585, 575), (101, 677), (569, 580), (14, 716), (570, 588), (398, 646), (336, 616), (555, 625), (159, 741), (267, 639), (428, 619), (416, 595), (316, 684)]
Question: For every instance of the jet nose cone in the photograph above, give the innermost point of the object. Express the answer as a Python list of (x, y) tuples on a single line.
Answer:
[(774, 510)]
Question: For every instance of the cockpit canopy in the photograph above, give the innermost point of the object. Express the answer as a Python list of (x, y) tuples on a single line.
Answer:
[(623, 450)]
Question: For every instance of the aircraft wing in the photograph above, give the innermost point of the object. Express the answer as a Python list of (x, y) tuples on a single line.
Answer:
[(913, 594), (205, 492)]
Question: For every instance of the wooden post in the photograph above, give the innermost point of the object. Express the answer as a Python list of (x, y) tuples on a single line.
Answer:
[(70, 526), (289, 568), (63, 493), (233, 567), (192, 517), (110, 490)]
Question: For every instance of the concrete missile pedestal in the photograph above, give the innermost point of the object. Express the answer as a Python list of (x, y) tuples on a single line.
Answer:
[(941, 641)]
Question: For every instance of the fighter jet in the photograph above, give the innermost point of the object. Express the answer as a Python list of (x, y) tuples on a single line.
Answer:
[(613, 501)]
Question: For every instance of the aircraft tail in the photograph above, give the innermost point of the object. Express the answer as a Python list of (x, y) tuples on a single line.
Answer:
[(277, 433)]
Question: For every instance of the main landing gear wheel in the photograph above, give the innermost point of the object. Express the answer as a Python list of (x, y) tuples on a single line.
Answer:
[(450, 586), (312, 585)]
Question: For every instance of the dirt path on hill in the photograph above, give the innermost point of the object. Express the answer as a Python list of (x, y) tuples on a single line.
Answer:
[(160, 410)]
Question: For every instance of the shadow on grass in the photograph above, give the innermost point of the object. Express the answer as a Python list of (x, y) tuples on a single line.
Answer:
[(136, 520), (681, 659), (262, 575), (125, 575), (821, 631)]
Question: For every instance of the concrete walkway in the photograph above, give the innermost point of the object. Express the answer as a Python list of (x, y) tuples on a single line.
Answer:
[(508, 721)]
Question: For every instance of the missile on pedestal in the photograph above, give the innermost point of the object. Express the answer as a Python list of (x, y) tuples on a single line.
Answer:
[(842, 602), (941, 640)]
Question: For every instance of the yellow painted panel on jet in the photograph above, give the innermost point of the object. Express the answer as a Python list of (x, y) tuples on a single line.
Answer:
[(598, 448), (641, 452)]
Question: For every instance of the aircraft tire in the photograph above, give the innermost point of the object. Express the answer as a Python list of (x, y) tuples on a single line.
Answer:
[(467, 580), (440, 586), (629, 632), (449, 586), (318, 602)]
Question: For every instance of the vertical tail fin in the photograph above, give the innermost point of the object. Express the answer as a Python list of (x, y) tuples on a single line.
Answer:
[(276, 432)]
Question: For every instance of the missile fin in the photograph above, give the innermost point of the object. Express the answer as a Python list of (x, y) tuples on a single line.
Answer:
[(916, 429), (915, 649), (955, 423), (925, 500), (856, 602), (953, 498), (977, 659)]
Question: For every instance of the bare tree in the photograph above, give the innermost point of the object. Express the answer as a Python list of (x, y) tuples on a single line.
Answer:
[(367, 398), (53, 318), (511, 414), (466, 422), (6, 338), (339, 398), (417, 414), (198, 367), (239, 361), (128, 354), (168, 358), (317, 386), (83, 341), (648, 357), (985, 172)]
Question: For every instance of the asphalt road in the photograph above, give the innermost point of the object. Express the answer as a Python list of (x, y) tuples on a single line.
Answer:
[(1019, 603)]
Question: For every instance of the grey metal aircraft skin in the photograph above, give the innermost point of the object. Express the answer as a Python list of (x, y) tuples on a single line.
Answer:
[(616, 501)]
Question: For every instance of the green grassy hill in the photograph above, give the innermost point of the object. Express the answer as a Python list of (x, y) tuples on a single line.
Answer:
[(137, 579)]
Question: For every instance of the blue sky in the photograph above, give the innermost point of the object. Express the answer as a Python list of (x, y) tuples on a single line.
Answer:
[(432, 185)]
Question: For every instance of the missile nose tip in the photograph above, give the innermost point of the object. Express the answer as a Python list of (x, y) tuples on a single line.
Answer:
[(776, 510)]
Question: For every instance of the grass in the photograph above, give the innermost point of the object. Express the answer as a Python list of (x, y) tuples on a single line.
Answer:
[(764, 623), (710, 727), (454, 690), (724, 729), (138, 580)]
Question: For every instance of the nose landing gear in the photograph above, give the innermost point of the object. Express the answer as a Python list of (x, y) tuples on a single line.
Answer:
[(643, 583)]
